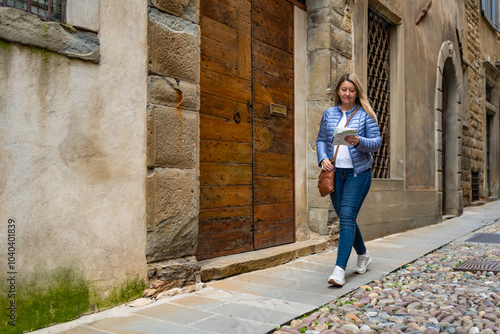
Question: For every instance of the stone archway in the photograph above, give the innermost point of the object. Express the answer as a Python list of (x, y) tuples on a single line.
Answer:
[(448, 121)]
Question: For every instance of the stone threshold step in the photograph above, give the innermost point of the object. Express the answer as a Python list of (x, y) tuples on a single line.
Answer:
[(235, 264)]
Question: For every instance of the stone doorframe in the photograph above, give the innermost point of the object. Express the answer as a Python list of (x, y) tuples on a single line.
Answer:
[(448, 68), (492, 79)]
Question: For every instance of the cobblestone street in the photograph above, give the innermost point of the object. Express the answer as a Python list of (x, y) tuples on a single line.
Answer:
[(427, 296)]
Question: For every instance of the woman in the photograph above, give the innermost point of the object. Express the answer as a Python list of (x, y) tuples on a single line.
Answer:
[(353, 173)]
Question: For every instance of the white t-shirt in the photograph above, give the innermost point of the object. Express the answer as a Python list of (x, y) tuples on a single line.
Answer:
[(343, 157)]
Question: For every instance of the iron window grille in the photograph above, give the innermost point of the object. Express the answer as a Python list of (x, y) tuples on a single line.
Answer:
[(378, 88), (47, 10), (475, 186)]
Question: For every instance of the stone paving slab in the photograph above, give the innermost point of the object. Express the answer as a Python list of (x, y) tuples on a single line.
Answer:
[(310, 266), (253, 313), (274, 292), (296, 275), (197, 302), (226, 324), (137, 324), (256, 302), (285, 283), (253, 300), (83, 330), (174, 313)]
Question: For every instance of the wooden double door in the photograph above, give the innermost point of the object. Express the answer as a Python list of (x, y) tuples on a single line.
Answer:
[(246, 150)]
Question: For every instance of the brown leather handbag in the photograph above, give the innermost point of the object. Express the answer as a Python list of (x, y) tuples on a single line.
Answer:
[(326, 182)]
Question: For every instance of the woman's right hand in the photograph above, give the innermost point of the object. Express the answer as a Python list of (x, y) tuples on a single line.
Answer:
[(326, 164)]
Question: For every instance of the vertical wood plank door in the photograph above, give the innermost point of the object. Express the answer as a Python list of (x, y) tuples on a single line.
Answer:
[(226, 152), (273, 176), (246, 154)]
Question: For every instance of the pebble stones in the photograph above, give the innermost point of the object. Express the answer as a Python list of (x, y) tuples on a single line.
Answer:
[(425, 297)]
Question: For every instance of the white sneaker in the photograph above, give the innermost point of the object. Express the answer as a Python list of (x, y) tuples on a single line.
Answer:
[(363, 263), (338, 276)]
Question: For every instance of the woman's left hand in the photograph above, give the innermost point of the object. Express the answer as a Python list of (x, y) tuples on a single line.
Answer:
[(352, 140)]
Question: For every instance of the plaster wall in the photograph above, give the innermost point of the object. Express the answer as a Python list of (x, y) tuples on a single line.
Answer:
[(490, 56), (409, 198), (490, 38), (423, 43), (73, 157), (390, 207)]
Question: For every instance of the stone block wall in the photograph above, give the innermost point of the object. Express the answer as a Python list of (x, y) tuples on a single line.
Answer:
[(473, 144), (172, 186), (329, 49)]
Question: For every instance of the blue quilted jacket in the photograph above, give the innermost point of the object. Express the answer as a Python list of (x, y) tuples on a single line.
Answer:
[(368, 133)]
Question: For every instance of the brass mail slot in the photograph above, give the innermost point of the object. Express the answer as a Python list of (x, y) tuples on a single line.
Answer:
[(277, 109)]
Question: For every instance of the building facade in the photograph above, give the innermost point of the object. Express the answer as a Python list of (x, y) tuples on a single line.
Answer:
[(73, 156), (166, 143)]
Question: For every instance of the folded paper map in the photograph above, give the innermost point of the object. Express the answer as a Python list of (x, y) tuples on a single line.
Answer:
[(341, 133)]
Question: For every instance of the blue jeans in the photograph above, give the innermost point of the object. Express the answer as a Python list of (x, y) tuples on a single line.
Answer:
[(349, 194)]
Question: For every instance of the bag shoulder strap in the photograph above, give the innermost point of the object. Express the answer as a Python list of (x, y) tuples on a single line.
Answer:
[(337, 149)]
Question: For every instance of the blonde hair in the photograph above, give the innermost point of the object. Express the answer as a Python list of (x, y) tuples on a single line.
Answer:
[(360, 99)]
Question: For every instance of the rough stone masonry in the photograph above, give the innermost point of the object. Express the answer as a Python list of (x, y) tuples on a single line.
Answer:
[(173, 142)]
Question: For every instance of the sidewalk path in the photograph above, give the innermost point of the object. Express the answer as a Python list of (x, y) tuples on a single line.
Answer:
[(261, 301)]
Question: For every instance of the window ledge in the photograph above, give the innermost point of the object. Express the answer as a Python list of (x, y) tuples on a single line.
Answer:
[(27, 29)]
